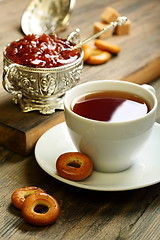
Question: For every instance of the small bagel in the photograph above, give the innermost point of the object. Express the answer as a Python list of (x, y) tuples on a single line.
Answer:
[(98, 57), (40, 219), (20, 195), (107, 46), (87, 49), (74, 166)]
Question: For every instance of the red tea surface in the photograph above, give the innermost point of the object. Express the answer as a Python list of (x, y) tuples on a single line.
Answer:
[(111, 106)]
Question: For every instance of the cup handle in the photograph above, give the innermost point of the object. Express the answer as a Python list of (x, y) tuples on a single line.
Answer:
[(6, 82), (149, 87)]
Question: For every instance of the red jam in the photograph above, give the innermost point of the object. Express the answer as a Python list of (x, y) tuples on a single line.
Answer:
[(42, 51)]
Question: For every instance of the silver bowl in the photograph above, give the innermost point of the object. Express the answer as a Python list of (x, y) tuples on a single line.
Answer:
[(40, 88)]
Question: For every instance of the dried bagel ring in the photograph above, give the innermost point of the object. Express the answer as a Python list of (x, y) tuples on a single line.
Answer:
[(36, 218), (87, 49), (74, 166), (107, 46), (19, 196), (98, 57)]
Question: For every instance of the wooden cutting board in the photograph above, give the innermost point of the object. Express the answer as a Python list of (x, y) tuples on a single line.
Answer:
[(139, 61), (20, 131)]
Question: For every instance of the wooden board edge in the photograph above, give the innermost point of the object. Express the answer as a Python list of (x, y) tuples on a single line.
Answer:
[(23, 143), (37, 132), (147, 74), (12, 139)]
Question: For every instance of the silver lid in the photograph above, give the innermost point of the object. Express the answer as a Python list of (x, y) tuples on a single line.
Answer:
[(46, 16)]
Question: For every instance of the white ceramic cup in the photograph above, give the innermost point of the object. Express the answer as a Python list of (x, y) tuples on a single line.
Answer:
[(112, 146)]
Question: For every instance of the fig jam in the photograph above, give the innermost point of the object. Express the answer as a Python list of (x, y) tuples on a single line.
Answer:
[(42, 51)]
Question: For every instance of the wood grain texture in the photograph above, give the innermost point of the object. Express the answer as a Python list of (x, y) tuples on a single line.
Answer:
[(20, 131), (85, 215)]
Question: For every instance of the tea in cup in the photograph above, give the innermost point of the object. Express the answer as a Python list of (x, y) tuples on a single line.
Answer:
[(110, 121)]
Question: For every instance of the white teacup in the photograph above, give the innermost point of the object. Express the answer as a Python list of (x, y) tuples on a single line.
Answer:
[(112, 146)]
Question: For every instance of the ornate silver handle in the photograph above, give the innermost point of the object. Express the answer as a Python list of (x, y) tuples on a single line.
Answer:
[(6, 82)]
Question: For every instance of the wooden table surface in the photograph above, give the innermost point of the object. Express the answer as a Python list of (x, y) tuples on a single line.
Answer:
[(86, 214)]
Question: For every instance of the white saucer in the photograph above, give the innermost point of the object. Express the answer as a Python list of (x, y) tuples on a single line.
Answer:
[(145, 172)]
